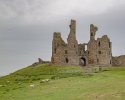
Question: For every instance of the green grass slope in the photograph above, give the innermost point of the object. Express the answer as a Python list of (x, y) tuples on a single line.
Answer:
[(65, 83)]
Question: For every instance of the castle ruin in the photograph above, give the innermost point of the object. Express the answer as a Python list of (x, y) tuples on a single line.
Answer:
[(95, 52)]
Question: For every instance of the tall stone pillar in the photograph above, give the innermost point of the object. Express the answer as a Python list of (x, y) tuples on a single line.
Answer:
[(93, 30), (72, 45)]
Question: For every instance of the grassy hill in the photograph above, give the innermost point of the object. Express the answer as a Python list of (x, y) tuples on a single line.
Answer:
[(63, 83)]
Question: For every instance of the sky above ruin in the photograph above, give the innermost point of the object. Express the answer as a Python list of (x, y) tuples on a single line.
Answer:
[(27, 26)]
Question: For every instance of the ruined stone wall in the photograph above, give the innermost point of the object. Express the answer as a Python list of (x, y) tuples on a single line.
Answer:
[(72, 45), (92, 52), (81, 49), (118, 61), (92, 47), (104, 51), (99, 52), (62, 53), (58, 50)]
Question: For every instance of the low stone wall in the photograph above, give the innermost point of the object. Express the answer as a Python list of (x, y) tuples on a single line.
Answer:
[(40, 61), (118, 61)]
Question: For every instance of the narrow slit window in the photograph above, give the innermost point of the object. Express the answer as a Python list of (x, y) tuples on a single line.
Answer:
[(55, 50), (97, 60), (99, 44), (109, 45), (67, 60), (66, 52)]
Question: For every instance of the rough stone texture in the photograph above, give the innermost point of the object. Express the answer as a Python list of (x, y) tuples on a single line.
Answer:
[(104, 47), (40, 61), (95, 52), (59, 50), (118, 61), (72, 46)]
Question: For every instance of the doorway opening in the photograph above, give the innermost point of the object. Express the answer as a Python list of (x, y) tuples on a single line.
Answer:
[(82, 61)]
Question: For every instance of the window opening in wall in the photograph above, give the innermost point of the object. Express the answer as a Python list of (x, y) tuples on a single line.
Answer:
[(109, 45), (99, 44), (100, 52), (85, 47), (66, 52), (74, 46), (110, 62), (91, 34), (55, 50), (97, 60), (66, 60)]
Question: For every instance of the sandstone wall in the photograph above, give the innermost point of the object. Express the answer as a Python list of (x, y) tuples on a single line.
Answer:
[(92, 47), (72, 45), (58, 49), (104, 51), (98, 52), (118, 61)]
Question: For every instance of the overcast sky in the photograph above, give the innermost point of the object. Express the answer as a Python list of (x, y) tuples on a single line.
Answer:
[(27, 26)]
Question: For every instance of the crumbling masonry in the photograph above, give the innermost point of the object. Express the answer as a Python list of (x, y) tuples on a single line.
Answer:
[(98, 52)]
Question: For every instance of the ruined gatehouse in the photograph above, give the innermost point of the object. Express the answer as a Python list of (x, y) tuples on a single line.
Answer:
[(95, 52)]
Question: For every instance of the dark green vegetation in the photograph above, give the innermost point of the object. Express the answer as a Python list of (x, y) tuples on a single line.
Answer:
[(65, 83)]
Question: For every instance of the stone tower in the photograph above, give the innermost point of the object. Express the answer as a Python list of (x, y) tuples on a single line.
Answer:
[(104, 51), (62, 53), (93, 30), (98, 52), (58, 48), (92, 47), (72, 46)]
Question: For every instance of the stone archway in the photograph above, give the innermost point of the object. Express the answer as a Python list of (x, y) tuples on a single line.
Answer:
[(82, 61)]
